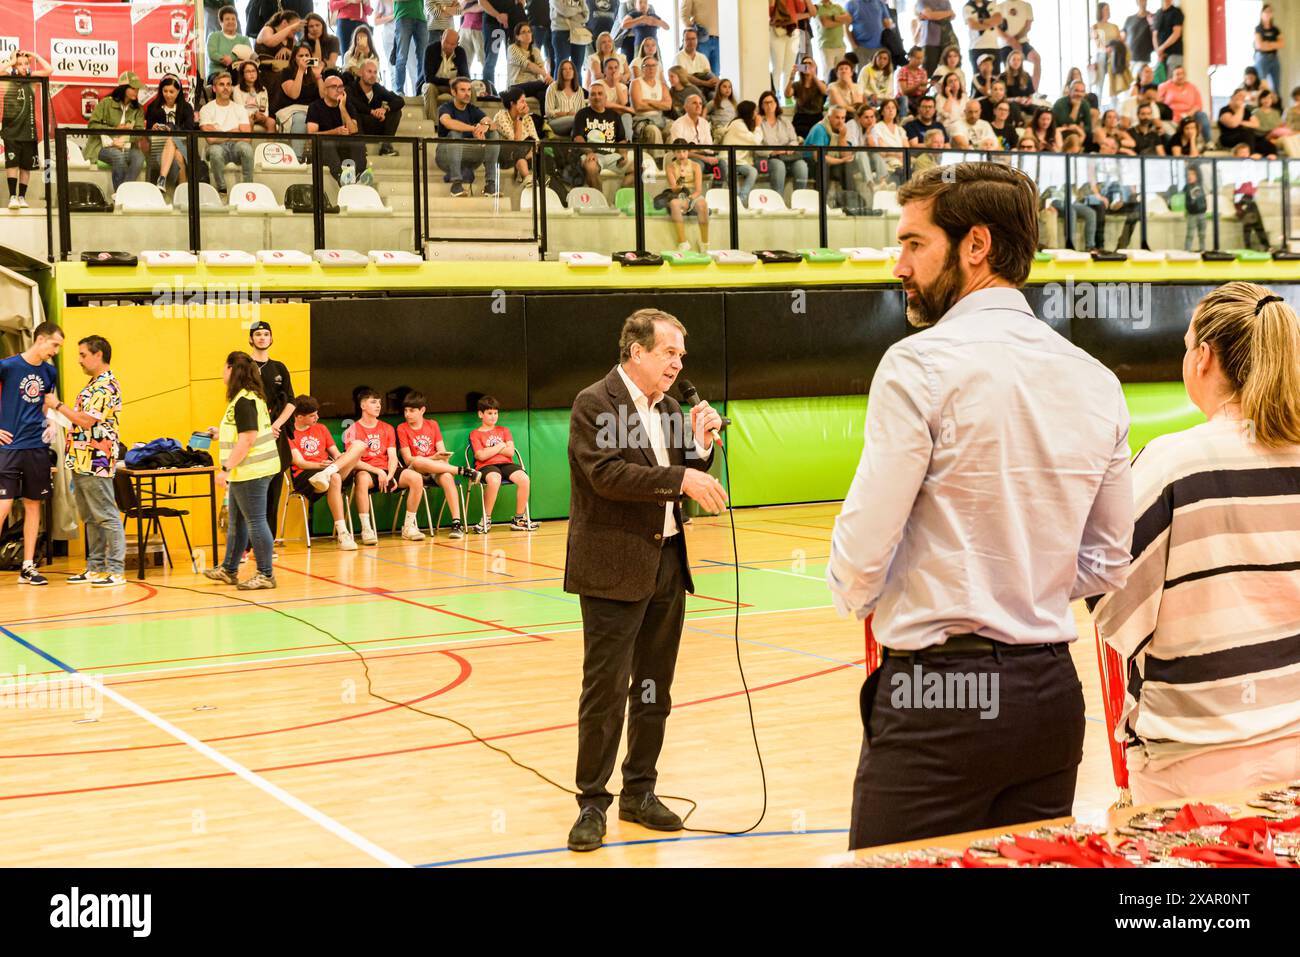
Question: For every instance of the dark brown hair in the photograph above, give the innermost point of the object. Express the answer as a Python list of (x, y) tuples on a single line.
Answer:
[(640, 328), (244, 374), (983, 194)]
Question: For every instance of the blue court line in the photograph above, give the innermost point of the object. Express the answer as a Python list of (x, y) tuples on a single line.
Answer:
[(655, 840), (32, 648)]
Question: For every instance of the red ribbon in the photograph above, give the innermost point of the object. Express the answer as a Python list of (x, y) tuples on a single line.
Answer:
[(1193, 816)]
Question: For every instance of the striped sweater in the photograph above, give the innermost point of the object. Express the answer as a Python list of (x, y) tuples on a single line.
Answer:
[(1209, 621)]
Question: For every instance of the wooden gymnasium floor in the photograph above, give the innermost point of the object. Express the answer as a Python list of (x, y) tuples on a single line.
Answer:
[(229, 735)]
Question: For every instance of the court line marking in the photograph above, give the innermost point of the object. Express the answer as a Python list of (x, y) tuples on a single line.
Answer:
[(341, 831), (648, 840)]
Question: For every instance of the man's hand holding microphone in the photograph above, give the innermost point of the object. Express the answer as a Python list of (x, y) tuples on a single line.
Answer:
[(705, 423)]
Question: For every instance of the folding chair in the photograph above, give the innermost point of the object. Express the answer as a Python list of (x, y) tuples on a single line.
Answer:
[(431, 484), (291, 492), (470, 462), (129, 505)]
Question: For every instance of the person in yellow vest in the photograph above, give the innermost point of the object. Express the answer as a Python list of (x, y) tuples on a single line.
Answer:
[(249, 461)]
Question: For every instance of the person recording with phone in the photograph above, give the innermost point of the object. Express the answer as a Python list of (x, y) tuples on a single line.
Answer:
[(633, 456)]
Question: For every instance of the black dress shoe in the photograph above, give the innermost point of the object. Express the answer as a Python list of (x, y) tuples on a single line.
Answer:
[(588, 831), (648, 811)]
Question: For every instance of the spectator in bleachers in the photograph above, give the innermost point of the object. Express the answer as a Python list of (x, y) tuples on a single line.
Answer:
[(473, 28), (1073, 114), (844, 91), (1194, 207), (685, 195), (637, 23), (721, 110), (348, 15), (1104, 66), (252, 94), (601, 18), (1251, 84), (832, 132), (444, 61), (595, 124), (1019, 85), (778, 132), (871, 168), (926, 118), (459, 119), (300, 86), (169, 110), (1269, 115), (330, 117), (258, 13), (973, 132), (679, 88), (422, 450), (877, 78), (596, 62), (702, 15), (743, 131), (1109, 195), (1018, 20), (1004, 128), (925, 160), (651, 102), (439, 17), (784, 18), (568, 21), (1239, 126), (949, 63), (525, 69), (18, 123), (361, 50), (1045, 132), (1167, 24), (224, 115), (887, 134), (1184, 99), (379, 469), (1148, 137), (411, 37), (1293, 114), (696, 64), (998, 95), (1136, 34), (1268, 43), (949, 103), (494, 455), (1110, 127), (691, 127), (808, 91), (618, 95), (983, 18), (119, 111), (911, 80), (377, 111), (868, 20), (222, 43), (832, 18), (649, 47), (1187, 140), (539, 18), (514, 122), (277, 40), (936, 32), (981, 83)]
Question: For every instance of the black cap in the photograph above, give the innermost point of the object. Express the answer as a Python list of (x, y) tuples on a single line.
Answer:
[(258, 326)]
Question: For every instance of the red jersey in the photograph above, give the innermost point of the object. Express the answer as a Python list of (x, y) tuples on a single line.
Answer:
[(379, 439), (313, 444), (485, 439), (422, 441)]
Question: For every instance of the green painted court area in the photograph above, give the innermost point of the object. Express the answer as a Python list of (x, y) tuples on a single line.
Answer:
[(222, 631)]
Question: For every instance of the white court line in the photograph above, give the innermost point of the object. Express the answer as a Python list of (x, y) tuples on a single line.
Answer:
[(280, 794)]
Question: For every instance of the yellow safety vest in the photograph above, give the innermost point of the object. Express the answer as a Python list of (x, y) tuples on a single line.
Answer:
[(263, 458)]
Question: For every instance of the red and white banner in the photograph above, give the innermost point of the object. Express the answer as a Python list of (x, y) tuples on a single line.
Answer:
[(89, 45)]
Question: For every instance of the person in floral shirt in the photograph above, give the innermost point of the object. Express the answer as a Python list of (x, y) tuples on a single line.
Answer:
[(91, 458)]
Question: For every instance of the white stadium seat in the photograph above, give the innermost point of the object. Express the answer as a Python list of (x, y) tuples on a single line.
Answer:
[(767, 201), (360, 198), (279, 156), (254, 198), (718, 200), (283, 257), (209, 198), (140, 198)]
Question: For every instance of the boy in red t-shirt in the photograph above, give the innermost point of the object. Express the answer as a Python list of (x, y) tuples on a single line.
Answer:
[(379, 469), (494, 453), (319, 469), (419, 442)]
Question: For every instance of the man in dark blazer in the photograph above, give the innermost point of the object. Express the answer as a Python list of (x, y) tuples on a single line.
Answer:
[(446, 51), (632, 457)]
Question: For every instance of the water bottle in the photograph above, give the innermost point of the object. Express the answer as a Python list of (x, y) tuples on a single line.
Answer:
[(200, 560), (348, 174)]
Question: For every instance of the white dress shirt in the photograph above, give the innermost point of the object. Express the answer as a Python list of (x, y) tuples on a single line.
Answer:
[(994, 486), (655, 432)]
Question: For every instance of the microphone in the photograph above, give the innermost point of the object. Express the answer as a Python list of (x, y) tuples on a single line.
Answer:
[(691, 396)]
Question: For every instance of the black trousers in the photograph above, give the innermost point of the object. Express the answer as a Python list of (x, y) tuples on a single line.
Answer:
[(277, 481), (928, 771), (628, 658)]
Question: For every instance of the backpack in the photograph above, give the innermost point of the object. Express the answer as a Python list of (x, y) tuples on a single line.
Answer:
[(142, 452), (86, 197), (299, 198)]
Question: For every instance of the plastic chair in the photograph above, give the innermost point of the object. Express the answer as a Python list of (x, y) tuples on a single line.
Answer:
[(255, 199), (277, 156), (209, 198), (767, 201), (360, 198), (292, 492), (887, 201), (590, 202), (471, 462), (625, 201), (140, 198), (718, 200), (807, 200)]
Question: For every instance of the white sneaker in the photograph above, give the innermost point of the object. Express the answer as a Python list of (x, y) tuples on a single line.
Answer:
[(109, 580), (13, 202), (684, 246), (22, 202), (346, 542), (412, 533), (368, 537), (320, 481)]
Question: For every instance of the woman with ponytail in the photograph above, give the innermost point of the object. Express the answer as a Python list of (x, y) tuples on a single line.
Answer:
[(1209, 621)]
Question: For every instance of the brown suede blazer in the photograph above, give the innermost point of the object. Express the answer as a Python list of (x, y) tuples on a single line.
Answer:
[(617, 497)]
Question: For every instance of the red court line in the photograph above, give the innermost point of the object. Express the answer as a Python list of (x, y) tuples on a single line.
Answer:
[(152, 593), (519, 561), (465, 670), (384, 754)]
